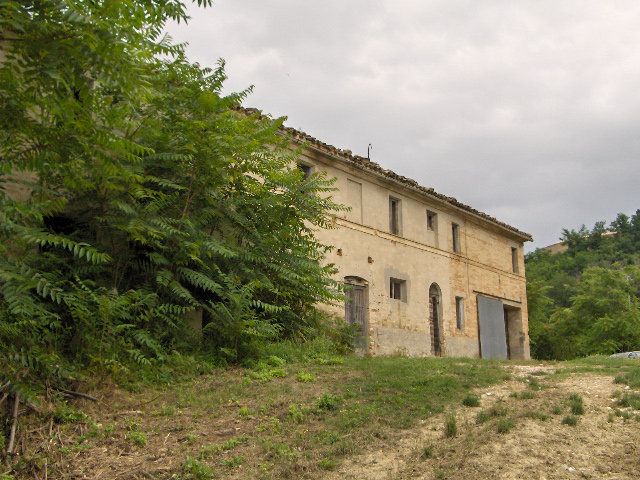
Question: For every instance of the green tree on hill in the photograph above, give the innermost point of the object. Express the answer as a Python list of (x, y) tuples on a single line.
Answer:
[(604, 317), (585, 300)]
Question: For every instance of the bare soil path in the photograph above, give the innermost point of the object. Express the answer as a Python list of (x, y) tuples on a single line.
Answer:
[(602, 445)]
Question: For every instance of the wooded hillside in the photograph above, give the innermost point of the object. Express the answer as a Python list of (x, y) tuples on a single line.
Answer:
[(584, 301)]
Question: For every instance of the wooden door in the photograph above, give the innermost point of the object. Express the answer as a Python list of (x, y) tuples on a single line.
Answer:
[(356, 311)]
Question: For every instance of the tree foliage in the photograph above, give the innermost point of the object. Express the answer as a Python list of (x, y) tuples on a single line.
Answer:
[(584, 300), (155, 197)]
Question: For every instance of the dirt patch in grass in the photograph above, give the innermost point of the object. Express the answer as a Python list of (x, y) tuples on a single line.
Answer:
[(363, 419), (602, 445)]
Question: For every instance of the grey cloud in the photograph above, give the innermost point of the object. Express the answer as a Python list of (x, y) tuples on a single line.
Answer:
[(528, 111)]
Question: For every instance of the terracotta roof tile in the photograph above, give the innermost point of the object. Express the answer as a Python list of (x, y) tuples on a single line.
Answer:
[(367, 164)]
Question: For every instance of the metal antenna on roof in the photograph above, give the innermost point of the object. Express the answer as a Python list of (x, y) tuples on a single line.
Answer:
[(369, 148)]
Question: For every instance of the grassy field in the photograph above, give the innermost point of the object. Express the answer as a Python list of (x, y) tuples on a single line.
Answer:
[(292, 415)]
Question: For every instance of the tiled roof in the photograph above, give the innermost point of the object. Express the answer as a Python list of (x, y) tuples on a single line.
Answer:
[(348, 157)]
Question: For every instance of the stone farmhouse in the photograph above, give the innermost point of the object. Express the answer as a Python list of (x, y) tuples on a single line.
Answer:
[(425, 274)]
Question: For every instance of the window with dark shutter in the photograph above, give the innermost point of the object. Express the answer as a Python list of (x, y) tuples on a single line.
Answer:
[(460, 313), (432, 221), (455, 232), (394, 216)]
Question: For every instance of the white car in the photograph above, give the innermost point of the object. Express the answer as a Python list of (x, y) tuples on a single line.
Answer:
[(626, 355)]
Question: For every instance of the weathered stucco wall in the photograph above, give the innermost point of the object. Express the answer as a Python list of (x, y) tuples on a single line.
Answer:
[(418, 257), (15, 188)]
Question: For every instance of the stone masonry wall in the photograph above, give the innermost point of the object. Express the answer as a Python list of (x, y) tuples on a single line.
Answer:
[(418, 257)]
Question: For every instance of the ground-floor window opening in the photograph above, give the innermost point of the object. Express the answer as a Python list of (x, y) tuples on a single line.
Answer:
[(397, 289), (460, 313)]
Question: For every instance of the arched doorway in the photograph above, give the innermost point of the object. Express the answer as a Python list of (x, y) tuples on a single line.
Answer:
[(435, 319), (356, 308)]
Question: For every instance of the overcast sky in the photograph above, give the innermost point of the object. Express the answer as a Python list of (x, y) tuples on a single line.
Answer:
[(526, 110)]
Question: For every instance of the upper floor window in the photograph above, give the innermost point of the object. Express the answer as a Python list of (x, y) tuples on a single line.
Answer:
[(394, 216), (354, 200), (306, 170), (432, 221), (455, 233), (514, 260)]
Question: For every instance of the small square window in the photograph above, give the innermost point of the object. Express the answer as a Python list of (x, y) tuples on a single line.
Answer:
[(397, 289), (432, 221), (455, 233), (514, 260), (306, 170), (460, 313)]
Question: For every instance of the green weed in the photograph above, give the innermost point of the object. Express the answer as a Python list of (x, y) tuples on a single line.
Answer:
[(165, 411), (536, 415), (274, 425), (450, 426), (624, 414), (138, 438), (131, 424), (197, 470), (330, 361), (233, 462), (482, 417), (94, 431), (471, 401), (295, 414), (577, 408), (498, 410), (440, 473), (355, 417), (304, 377), (108, 430), (328, 401), (268, 374), (534, 384), (505, 424), (191, 438), (65, 413), (344, 446), (230, 444), (570, 420), (630, 400), (428, 452), (576, 404), (276, 361), (328, 464), (631, 377), (277, 450)]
